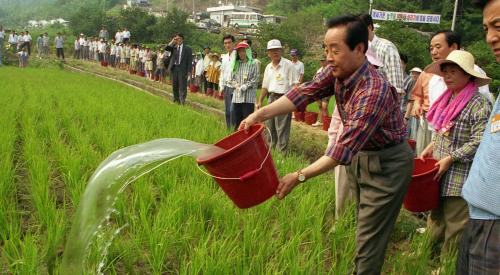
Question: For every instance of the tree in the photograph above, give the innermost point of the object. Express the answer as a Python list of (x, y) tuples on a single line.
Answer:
[(88, 20), (175, 21), (138, 22)]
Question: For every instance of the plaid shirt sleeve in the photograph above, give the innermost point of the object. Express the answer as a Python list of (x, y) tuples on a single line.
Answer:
[(318, 88), (362, 121), (479, 113)]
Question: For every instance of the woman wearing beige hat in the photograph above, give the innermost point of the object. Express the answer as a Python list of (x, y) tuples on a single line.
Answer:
[(459, 117)]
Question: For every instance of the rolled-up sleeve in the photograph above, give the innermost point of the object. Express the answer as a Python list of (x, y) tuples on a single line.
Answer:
[(316, 89)]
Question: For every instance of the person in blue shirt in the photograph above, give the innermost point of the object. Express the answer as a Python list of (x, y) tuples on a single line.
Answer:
[(479, 252)]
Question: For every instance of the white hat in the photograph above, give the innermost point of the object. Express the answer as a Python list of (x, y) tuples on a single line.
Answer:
[(464, 60), (416, 69), (274, 44)]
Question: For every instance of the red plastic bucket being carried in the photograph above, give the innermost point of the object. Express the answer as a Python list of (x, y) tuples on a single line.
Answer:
[(245, 171), (310, 117), (412, 143), (299, 116), (423, 192), (326, 122)]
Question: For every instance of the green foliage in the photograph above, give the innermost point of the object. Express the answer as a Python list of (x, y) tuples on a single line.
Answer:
[(485, 59), (138, 22), (408, 41), (88, 20), (174, 22)]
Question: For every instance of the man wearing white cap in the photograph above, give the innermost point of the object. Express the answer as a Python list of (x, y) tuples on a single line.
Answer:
[(279, 77)]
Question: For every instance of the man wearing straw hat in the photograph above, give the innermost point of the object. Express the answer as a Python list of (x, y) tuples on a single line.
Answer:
[(430, 86), (373, 143), (459, 117), (480, 247)]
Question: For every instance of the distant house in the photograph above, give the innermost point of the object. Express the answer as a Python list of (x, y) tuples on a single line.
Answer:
[(33, 23), (222, 14), (132, 3), (274, 19)]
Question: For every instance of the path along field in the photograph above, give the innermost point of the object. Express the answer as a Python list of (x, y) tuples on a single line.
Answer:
[(57, 126)]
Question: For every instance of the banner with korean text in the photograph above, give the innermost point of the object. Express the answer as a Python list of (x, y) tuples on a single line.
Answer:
[(406, 17)]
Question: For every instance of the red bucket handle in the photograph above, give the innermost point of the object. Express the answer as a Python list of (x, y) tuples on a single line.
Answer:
[(248, 174)]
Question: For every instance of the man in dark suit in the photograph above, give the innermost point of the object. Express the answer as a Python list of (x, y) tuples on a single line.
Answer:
[(179, 67)]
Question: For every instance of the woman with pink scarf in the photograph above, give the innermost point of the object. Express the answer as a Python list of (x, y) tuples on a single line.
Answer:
[(459, 117)]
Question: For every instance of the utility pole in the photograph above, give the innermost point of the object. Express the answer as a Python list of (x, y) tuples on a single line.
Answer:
[(454, 15), (370, 10)]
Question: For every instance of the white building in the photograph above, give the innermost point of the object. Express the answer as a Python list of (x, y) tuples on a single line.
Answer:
[(222, 14), (132, 3)]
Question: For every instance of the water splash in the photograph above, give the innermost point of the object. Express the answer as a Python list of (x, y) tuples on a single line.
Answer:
[(110, 179)]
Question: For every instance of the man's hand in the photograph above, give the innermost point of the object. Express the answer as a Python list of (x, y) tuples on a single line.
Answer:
[(287, 183), (249, 121), (444, 164), (418, 110), (258, 105)]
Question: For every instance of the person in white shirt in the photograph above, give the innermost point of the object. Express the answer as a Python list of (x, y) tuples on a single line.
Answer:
[(13, 41), (112, 54), (77, 48), (59, 43), (27, 41), (2, 37), (45, 44), (126, 35), (279, 76), (118, 36), (297, 64), (225, 85), (20, 41)]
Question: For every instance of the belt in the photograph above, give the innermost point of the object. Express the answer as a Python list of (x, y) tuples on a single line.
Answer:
[(276, 95), (383, 147)]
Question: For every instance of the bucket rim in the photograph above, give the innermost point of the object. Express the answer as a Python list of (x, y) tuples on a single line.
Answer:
[(427, 172), (258, 131)]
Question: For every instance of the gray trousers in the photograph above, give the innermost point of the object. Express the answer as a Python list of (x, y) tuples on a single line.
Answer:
[(379, 180), (424, 135), (279, 127), (228, 107), (179, 85), (343, 193)]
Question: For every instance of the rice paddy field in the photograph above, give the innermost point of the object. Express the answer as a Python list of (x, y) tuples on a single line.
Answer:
[(57, 126)]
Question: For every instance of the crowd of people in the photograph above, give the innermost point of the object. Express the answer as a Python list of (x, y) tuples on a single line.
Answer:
[(446, 107)]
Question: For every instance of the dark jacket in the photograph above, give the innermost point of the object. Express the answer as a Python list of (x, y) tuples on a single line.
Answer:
[(186, 58)]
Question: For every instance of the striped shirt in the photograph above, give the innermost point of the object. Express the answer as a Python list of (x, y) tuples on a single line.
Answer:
[(248, 75), (461, 142), (482, 187), (368, 105), (387, 52)]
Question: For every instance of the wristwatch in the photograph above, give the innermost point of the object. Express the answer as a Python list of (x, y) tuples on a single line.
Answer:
[(301, 176)]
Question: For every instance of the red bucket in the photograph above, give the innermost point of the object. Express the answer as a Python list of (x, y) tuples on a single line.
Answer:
[(423, 192), (412, 143), (310, 117), (299, 116), (326, 122), (193, 88), (132, 71), (245, 171)]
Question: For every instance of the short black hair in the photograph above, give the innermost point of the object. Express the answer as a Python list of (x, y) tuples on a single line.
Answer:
[(403, 57), (356, 30), (179, 35), (228, 36), (480, 3), (366, 19), (451, 37)]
